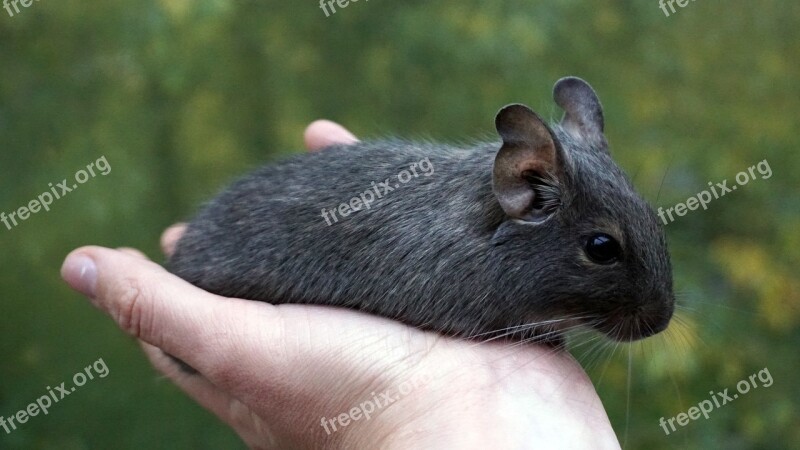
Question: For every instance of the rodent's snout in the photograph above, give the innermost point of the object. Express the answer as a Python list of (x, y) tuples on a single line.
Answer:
[(651, 326), (638, 325)]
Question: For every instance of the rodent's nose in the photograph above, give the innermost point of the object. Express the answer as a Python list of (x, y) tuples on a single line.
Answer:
[(649, 329), (637, 326), (655, 322)]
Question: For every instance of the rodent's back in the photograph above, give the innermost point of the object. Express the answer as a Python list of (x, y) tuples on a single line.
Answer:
[(420, 253)]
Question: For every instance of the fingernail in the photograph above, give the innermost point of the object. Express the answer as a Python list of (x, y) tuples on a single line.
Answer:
[(80, 272)]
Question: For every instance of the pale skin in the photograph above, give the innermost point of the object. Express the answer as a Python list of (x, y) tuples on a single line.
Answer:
[(275, 374)]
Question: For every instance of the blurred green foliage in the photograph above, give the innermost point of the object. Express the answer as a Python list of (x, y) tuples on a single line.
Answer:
[(180, 96)]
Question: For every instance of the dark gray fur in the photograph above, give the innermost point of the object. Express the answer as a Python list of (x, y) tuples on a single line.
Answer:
[(440, 252)]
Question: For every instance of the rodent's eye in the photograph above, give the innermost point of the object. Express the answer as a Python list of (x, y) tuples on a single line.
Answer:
[(603, 249)]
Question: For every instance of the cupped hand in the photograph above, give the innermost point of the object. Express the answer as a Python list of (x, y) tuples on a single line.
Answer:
[(299, 376)]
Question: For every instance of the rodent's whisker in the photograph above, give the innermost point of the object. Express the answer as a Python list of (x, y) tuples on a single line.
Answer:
[(609, 358), (526, 325), (669, 164), (593, 338), (628, 399), (504, 332)]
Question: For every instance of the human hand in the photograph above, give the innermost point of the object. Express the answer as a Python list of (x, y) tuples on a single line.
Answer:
[(300, 376)]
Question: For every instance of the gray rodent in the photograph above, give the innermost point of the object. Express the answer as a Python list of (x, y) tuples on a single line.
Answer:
[(543, 227)]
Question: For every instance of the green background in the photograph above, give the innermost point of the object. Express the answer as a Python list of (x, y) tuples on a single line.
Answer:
[(181, 96)]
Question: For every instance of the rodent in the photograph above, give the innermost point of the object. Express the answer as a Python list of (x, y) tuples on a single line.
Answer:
[(540, 226)]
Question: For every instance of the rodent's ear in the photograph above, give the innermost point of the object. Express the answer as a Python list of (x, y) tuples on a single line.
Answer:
[(528, 165), (583, 113)]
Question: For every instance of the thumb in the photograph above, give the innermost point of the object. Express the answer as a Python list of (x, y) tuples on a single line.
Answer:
[(148, 302)]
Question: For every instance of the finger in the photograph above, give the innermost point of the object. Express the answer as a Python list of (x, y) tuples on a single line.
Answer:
[(323, 133), (159, 308), (170, 237), (133, 252), (227, 408), (196, 386)]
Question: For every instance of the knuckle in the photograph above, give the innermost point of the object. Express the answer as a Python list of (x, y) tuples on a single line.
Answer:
[(134, 311)]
